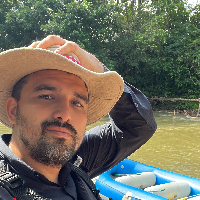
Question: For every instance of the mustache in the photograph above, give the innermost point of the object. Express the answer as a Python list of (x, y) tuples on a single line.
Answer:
[(58, 123)]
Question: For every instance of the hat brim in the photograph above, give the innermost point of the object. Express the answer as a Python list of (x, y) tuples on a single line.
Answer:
[(104, 88)]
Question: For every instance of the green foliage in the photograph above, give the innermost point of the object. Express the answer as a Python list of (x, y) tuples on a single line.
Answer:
[(23, 21), (175, 105), (72, 22), (155, 46), (157, 50), (91, 28)]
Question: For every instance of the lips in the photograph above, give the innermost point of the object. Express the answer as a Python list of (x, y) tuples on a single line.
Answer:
[(59, 131)]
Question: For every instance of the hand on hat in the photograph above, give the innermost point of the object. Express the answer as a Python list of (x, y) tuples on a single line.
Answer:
[(86, 59)]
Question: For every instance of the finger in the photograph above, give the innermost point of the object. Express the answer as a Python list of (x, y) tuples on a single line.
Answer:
[(67, 48), (53, 48), (50, 41), (34, 44)]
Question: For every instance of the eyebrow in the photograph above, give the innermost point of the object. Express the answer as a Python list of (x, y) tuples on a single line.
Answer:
[(50, 88), (45, 87), (83, 97)]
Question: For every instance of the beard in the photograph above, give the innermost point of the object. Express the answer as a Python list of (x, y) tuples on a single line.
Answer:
[(45, 149)]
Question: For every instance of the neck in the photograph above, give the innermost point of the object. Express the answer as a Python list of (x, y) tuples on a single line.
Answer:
[(50, 173)]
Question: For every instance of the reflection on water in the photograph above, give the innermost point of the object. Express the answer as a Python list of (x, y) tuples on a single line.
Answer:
[(175, 146)]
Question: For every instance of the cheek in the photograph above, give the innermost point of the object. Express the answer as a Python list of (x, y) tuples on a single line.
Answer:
[(34, 113), (79, 122)]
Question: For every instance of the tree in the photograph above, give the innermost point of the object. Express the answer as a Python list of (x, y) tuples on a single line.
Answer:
[(91, 28), (158, 40), (22, 23)]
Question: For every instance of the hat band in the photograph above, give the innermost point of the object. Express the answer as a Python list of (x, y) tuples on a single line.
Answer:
[(72, 59)]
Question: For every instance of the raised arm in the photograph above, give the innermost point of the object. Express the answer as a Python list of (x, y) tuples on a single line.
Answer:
[(131, 125)]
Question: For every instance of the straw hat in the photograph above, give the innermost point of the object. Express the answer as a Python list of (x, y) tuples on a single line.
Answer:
[(104, 88)]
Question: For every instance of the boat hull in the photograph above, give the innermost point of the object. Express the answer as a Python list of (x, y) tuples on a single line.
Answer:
[(117, 190)]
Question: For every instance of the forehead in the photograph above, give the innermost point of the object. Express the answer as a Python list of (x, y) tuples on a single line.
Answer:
[(59, 80), (53, 73)]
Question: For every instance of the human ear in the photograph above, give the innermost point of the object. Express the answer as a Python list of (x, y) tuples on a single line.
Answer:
[(11, 109)]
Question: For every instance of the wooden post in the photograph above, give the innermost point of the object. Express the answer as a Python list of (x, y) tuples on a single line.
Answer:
[(198, 113), (178, 99)]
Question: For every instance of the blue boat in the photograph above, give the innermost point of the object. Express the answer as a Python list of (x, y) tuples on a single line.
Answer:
[(133, 180)]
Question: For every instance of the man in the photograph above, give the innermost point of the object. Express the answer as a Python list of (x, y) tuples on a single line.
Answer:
[(48, 99)]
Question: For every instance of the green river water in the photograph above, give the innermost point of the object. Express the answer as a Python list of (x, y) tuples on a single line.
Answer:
[(175, 146)]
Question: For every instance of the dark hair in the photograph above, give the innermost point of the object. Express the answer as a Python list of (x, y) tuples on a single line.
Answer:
[(16, 92)]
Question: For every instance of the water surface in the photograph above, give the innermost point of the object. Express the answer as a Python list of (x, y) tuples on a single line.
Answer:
[(175, 146)]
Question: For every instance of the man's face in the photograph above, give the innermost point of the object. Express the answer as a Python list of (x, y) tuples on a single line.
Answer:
[(51, 116)]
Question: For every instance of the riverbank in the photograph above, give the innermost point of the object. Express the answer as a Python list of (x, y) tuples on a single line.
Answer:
[(189, 113), (190, 109)]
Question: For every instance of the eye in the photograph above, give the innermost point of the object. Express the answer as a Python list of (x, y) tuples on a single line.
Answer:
[(45, 96), (77, 103)]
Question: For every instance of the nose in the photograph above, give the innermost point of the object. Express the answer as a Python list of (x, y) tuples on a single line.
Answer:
[(62, 111)]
